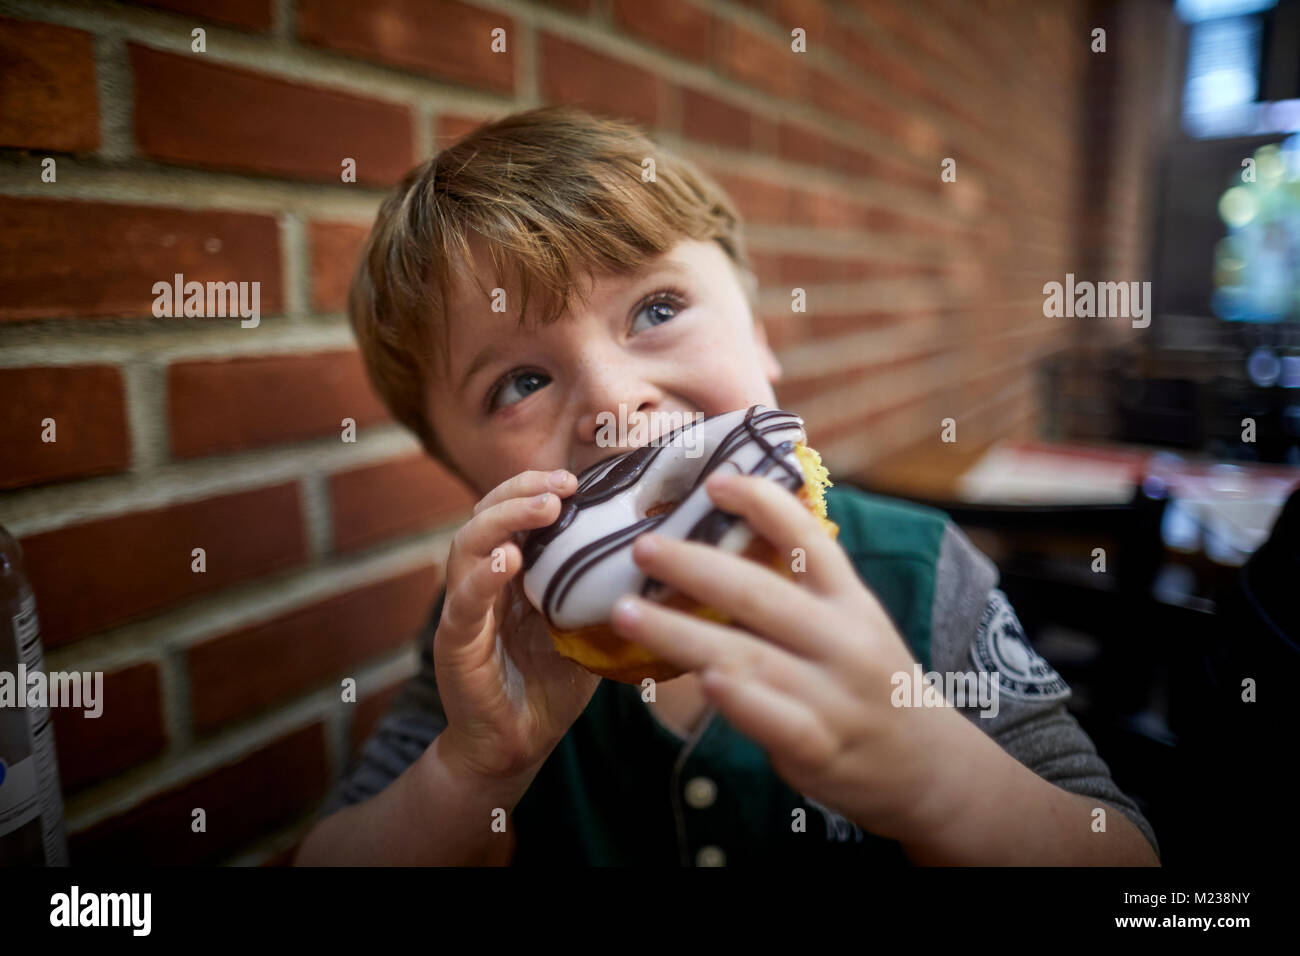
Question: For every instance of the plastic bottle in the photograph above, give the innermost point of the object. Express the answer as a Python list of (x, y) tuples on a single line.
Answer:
[(31, 802)]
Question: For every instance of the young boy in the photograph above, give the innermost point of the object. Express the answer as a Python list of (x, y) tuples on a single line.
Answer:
[(552, 267)]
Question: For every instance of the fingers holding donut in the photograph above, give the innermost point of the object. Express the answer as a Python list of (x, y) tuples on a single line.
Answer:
[(693, 643), (784, 521), (475, 572), (748, 592), (526, 484)]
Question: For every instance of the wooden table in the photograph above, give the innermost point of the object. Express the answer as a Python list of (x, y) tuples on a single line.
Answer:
[(1236, 502)]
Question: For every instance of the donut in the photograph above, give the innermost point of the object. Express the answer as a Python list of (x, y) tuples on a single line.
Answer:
[(576, 567)]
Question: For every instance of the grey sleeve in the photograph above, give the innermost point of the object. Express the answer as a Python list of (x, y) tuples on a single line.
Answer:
[(402, 735), (975, 631)]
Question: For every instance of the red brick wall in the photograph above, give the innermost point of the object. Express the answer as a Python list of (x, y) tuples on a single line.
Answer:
[(1129, 96), (323, 556)]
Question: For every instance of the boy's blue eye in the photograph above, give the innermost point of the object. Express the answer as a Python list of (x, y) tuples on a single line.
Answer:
[(528, 383), (661, 306)]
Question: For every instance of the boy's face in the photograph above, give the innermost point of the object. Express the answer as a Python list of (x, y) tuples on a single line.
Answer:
[(529, 399)]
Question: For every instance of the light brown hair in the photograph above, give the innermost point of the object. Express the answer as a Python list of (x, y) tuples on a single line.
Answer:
[(554, 192)]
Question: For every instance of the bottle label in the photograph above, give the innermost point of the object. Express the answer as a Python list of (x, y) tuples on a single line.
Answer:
[(31, 802)]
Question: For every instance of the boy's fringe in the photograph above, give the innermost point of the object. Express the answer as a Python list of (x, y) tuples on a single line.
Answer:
[(553, 194)]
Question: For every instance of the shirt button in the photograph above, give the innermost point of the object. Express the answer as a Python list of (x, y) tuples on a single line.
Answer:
[(701, 792), (710, 856)]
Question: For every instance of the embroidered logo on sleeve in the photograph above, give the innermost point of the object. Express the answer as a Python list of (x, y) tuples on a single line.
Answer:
[(1000, 646)]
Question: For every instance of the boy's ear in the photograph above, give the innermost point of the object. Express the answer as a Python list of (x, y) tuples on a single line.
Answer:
[(771, 366)]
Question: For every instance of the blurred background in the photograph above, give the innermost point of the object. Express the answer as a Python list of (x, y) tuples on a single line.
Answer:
[(923, 170)]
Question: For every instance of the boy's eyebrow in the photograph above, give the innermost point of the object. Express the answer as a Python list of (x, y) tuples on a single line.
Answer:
[(490, 352), (654, 267)]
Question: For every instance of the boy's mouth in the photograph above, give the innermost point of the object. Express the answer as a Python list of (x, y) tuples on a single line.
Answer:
[(589, 469)]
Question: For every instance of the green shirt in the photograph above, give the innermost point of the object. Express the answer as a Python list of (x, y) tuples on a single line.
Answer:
[(622, 789)]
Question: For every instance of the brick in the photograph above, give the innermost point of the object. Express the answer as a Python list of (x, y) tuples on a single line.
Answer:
[(711, 120), (242, 673), (877, 220), (232, 404), (857, 163), (809, 14), (335, 254), (861, 49), (440, 38), (98, 573), (128, 732), (799, 389), (580, 7), (242, 800), (203, 114), (766, 265), (761, 61), (249, 14), (449, 127), (368, 712), (797, 269), (48, 99), (892, 18), (87, 406), (870, 111), (765, 134), (822, 435), (62, 258), (834, 95), (800, 144), (828, 324), (392, 498), (571, 73), (784, 329), (825, 209), (759, 200), (676, 25)]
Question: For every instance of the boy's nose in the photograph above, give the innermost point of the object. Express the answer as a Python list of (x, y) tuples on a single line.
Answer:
[(619, 423)]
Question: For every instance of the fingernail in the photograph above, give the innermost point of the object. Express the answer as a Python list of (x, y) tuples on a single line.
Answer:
[(559, 478), (648, 545), (720, 480), (543, 499), (626, 610)]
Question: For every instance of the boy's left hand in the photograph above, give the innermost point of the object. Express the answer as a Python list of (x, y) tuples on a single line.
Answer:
[(809, 678)]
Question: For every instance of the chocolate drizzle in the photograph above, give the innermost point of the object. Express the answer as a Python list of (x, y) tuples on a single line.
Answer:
[(605, 480)]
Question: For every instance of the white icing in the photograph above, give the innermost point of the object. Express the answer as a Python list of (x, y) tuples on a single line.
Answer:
[(590, 596)]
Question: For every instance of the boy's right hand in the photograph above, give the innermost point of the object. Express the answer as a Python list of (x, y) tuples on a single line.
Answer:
[(508, 695)]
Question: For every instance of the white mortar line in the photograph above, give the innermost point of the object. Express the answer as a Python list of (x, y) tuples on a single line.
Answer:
[(320, 68), (114, 87), (146, 183), (175, 700), (145, 395), (46, 507), (294, 265), (248, 603), (317, 514), (121, 793)]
